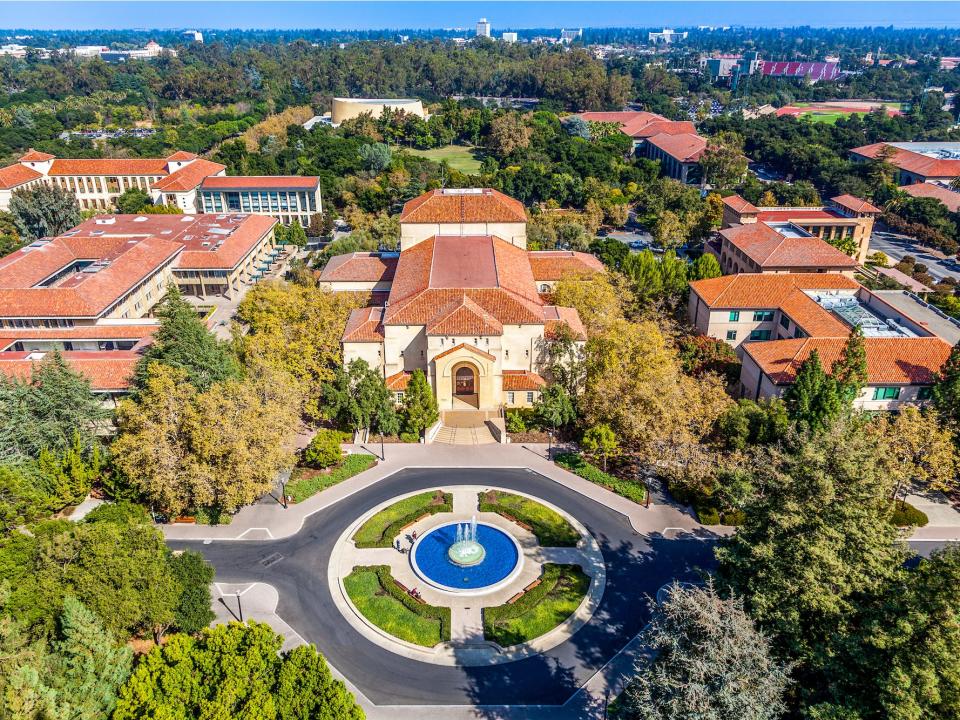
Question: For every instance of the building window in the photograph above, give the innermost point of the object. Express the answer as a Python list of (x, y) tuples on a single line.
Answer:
[(785, 322), (763, 315), (886, 393), (925, 393), (511, 398), (400, 396), (734, 316), (798, 333), (530, 397), (731, 334), (506, 354), (760, 335), (544, 288)]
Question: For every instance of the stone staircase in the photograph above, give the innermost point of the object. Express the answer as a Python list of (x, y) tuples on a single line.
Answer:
[(476, 435)]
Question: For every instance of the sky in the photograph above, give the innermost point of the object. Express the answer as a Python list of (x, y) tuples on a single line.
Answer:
[(358, 15)]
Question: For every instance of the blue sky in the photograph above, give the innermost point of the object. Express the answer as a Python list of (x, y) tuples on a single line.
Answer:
[(374, 15)]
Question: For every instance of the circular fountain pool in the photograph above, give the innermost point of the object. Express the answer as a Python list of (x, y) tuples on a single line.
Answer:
[(501, 560)]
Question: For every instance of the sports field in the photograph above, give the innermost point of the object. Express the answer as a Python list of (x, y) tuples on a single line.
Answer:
[(462, 158), (832, 110)]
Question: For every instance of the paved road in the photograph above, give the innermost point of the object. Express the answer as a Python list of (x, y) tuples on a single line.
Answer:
[(895, 246), (636, 567)]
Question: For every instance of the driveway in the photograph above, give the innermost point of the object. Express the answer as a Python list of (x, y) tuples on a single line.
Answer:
[(637, 565), (896, 245)]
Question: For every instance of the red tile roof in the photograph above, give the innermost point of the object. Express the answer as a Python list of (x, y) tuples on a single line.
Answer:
[(181, 156), (465, 346), (739, 205), (482, 205), (464, 317), (189, 176), (764, 291), (893, 361), (913, 162), (640, 124), (555, 316), (398, 381), (13, 175), (256, 182), (855, 204), (770, 249), (946, 195), (799, 215), (522, 380), (556, 264), (364, 325), (109, 166), (100, 331), (107, 371), (36, 156), (359, 267), (686, 147)]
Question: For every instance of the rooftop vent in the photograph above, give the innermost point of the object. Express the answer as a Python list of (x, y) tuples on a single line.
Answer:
[(462, 191), (140, 218), (187, 218), (106, 221), (35, 355), (96, 233)]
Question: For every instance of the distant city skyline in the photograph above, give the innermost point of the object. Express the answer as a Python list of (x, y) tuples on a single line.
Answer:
[(256, 15)]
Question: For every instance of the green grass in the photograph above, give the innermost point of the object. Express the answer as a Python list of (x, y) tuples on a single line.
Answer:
[(377, 597), (459, 157), (382, 528), (305, 482), (550, 527), (826, 117), (541, 609), (574, 462)]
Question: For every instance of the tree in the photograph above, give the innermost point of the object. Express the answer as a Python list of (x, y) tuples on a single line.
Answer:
[(132, 201), (919, 450), (815, 537), (849, 371), (708, 662), (358, 398), (296, 235), (813, 401), (194, 575), (669, 231), (239, 667), (44, 211), (595, 299), (723, 162), (601, 440), (705, 267), (182, 341), (420, 409), (554, 408), (49, 411), (508, 133), (751, 423), (324, 449), (218, 449), (375, 157), (578, 127), (946, 389)]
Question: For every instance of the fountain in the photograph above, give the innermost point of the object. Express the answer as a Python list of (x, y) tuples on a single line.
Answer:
[(466, 550)]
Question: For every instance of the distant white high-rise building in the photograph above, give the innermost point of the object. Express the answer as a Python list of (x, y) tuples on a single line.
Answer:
[(666, 36), (569, 36), (194, 35), (483, 28), (509, 37)]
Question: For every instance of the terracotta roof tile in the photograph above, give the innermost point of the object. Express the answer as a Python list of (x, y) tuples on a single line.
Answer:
[(465, 346), (739, 205), (12, 176), (359, 267), (188, 177), (946, 195), (464, 317), (257, 182), (894, 361), (556, 264), (522, 380), (36, 156), (483, 205), (764, 291), (913, 162), (107, 371), (855, 204), (398, 381), (771, 249), (555, 316), (364, 325), (685, 147), (109, 166), (100, 331), (181, 156)]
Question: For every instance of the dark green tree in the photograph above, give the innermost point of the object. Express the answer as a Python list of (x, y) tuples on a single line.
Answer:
[(813, 401), (44, 211), (132, 201), (192, 612), (183, 341), (705, 267), (850, 369), (359, 399), (946, 390), (419, 404), (554, 408), (296, 235)]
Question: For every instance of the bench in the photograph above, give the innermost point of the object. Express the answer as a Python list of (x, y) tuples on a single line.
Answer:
[(532, 585), (516, 597), (407, 592), (414, 522)]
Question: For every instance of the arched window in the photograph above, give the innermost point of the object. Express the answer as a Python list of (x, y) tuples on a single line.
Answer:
[(465, 381)]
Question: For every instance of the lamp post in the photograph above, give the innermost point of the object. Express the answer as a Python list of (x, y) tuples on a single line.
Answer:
[(239, 606), (283, 490), (383, 454), (549, 444)]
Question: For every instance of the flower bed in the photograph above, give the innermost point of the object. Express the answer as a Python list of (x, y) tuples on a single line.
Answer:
[(380, 530), (630, 489), (305, 482), (551, 529), (382, 601)]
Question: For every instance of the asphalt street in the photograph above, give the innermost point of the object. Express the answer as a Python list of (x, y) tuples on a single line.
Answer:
[(636, 567), (895, 246)]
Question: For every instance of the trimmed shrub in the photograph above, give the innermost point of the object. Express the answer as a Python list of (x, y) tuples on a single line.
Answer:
[(515, 422), (372, 535), (551, 528), (409, 437), (574, 462), (442, 614), (303, 487), (324, 449), (906, 515)]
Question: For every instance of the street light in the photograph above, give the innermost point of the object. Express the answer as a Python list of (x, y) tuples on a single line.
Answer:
[(383, 454), (239, 606), (549, 444)]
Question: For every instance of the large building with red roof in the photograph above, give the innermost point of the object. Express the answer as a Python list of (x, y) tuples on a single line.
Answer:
[(776, 321), (915, 162), (464, 304), (182, 180), (89, 293)]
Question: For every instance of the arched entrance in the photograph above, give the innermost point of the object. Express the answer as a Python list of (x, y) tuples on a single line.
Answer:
[(465, 382)]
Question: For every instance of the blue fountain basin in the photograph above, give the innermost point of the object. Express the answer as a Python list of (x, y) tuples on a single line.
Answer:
[(431, 560)]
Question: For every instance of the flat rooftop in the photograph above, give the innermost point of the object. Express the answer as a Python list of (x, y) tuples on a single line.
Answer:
[(788, 229), (938, 150), (848, 307), (926, 315)]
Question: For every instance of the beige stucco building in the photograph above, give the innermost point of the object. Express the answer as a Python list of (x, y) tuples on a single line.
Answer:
[(463, 306)]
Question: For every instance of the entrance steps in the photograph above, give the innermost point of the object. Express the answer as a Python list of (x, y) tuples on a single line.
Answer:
[(464, 435)]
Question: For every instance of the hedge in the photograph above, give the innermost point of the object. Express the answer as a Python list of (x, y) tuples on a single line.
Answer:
[(906, 515), (554, 606), (550, 527), (302, 488), (389, 585), (374, 534), (708, 511), (575, 463)]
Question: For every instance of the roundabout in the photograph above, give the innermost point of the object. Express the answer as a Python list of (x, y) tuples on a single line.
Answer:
[(311, 601)]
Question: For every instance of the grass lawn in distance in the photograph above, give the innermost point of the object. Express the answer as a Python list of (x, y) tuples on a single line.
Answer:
[(550, 527), (539, 610), (378, 598), (382, 528), (826, 117), (459, 157)]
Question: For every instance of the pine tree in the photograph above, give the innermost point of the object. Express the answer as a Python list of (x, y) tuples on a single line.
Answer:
[(946, 391), (183, 341), (89, 667), (44, 210), (813, 401), (705, 267), (849, 372), (296, 235), (419, 404)]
